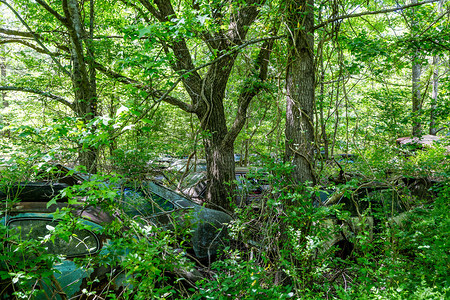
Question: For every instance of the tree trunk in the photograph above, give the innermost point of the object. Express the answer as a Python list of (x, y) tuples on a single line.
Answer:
[(416, 97), (2, 78), (4, 100), (323, 128), (220, 170), (300, 79), (434, 96), (83, 81), (219, 154), (416, 86)]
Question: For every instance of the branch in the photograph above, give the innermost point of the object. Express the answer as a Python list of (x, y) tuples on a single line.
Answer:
[(231, 52), (30, 35), (150, 8), (236, 49), (383, 11), (38, 92), (439, 44), (435, 22), (99, 37), (28, 44), (161, 95), (164, 95), (52, 11), (241, 20), (119, 77), (183, 62), (16, 32), (251, 89), (33, 46)]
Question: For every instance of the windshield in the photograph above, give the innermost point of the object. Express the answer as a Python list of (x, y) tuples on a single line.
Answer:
[(136, 202)]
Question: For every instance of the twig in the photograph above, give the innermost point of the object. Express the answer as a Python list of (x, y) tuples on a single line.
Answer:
[(376, 12)]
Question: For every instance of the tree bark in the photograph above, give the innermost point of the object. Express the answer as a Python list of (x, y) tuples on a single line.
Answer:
[(219, 154), (416, 85), (434, 95), (322, 121), (4, 100), (416, 95), (300, 85), (2, 78), (83, 80)]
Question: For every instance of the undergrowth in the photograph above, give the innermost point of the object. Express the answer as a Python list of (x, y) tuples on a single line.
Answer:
[(288, 245)]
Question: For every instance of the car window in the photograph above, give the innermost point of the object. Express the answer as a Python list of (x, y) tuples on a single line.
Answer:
[(80, 243), (144, 203)]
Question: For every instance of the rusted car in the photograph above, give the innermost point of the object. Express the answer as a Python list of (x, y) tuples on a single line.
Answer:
[(362, 210), (28, 212), (422, 142)]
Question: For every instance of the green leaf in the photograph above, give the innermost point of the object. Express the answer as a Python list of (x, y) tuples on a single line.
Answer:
[(144, 31), (51, 202)]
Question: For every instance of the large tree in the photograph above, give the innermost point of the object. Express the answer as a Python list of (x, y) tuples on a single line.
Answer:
[(206, 82), (300, 78), (300, 87)]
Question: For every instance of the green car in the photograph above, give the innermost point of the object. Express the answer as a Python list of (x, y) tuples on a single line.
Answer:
[(30, 218)]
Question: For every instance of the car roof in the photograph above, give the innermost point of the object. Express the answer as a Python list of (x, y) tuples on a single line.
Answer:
[(35, 196)]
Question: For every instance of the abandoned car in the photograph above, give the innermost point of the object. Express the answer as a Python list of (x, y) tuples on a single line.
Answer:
[(370, 206), (28, 211)]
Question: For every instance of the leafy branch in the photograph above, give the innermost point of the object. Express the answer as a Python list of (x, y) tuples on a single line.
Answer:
[(376, 12), (38, 92)]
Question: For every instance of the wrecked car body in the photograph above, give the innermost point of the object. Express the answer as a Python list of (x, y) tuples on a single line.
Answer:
[(28, 214), (421, 143), (365, 208)]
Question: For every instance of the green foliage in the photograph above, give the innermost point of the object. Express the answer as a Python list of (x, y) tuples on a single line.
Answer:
[(24, 265), (283, 238), (430, 162), (284, 253), (406, 260), (389, 104), (146, 260), (403, 256), (283, 249), (238, 278)]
